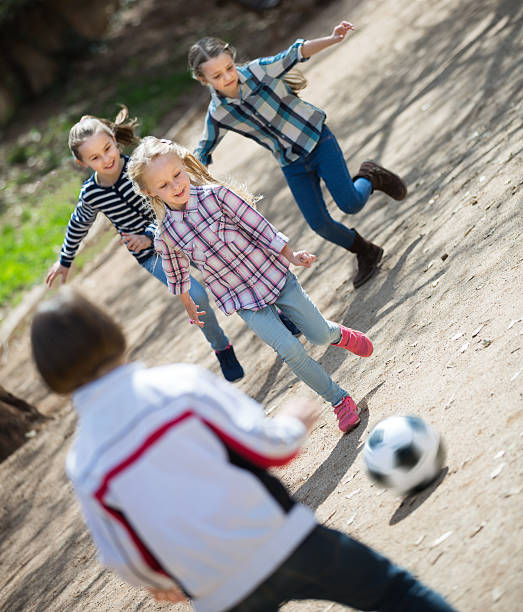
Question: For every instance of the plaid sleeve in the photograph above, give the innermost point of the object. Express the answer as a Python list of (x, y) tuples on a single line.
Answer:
[(211, 136), (175, 265), (79, 224), (252, 223), (277, 65)]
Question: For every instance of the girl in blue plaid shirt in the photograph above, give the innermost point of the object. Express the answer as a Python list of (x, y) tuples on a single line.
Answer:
[(259, 100), (244, 261)]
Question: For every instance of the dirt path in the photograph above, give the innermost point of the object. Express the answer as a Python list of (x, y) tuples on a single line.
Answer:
[(432, 90)]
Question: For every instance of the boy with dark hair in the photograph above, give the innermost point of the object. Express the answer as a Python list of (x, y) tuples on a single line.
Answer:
[(170, 467)]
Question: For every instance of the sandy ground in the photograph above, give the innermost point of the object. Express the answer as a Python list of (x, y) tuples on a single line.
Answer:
[(432, 90)]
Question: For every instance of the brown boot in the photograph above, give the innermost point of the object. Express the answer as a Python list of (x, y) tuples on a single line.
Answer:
[(383, 180), (369, 256)]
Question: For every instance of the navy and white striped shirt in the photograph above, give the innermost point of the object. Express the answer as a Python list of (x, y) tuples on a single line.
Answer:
[(125, 209), (267, 111)]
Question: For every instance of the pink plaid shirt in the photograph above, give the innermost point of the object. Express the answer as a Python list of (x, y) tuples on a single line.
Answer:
[(235, 247)]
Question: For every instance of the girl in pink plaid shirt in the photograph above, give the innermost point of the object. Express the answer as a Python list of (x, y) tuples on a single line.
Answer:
[(244, 261)]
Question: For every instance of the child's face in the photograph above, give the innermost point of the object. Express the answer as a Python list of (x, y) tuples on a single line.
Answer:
[(100, 152), (220, 72), (166, 178)]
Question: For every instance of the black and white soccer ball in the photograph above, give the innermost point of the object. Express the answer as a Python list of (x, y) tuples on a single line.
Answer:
[(404, 453)]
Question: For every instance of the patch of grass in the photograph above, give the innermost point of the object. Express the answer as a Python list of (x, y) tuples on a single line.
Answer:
[(149, 98), (29, 245), (32, 227), (19, 154)]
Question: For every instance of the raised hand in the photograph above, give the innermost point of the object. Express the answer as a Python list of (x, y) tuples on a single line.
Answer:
[(340, 31)]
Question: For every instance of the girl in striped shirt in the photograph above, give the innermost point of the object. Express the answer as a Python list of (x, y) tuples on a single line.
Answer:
[(94, 144), (259, 100), (244, 261)]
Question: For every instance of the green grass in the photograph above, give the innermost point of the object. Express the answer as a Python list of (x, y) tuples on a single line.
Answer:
[(150, 98), (29, 245), (32, 227)]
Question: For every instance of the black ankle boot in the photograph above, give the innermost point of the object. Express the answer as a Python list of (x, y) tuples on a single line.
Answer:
[(383, 180), (231, 368), (369, 256)]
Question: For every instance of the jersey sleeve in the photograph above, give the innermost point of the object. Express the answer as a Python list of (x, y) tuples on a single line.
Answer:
[(79, 224)]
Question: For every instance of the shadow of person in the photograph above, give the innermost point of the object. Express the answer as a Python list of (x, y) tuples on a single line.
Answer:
[(325, 479), (268, 383), (414, 501)]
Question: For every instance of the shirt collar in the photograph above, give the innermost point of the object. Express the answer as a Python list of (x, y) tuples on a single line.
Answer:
[(219, 99), (179, 215), (91, 393), (121, 176)]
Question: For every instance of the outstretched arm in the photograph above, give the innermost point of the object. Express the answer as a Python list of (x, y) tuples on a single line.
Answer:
[(310, 47), (55, 271)]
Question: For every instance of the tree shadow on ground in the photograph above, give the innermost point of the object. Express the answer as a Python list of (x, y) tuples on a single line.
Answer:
[(268, 383), (325, 479), (364, 315)]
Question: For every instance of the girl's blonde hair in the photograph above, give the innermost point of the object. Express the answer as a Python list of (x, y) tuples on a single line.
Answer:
[(122, 129), (209, 47), (150, 148)]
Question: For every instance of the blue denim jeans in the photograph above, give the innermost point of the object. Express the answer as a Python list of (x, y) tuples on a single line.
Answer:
[(330, 565), (211, 330), (326, 162), (297, 306)]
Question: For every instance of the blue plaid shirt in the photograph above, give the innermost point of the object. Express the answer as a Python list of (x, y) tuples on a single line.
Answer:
[(266, 111)]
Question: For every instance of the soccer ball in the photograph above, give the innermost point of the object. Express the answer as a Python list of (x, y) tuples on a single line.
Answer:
[(404, 453)]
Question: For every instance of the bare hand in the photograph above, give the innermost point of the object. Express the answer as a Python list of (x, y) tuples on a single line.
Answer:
[(136, 242), (55, 271), (340, 31), (174, 595), (194, 315), (304, 410), (303, 258)]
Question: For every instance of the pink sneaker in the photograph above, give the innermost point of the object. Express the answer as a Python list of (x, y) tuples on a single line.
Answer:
[(347, 413), (355, 341)]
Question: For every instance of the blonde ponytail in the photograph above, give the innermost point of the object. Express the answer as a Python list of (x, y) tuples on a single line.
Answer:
[(296, 80)]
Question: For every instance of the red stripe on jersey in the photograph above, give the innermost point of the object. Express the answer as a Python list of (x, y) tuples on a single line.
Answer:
[(256, 458), (146, 554)]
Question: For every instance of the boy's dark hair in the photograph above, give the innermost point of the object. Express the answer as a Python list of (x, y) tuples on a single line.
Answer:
[(73, 341)]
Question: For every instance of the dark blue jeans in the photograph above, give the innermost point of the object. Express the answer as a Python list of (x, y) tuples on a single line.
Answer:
[(330, 565), (326, 162)]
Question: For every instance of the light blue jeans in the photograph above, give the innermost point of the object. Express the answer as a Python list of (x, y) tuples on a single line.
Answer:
[(211, 330), (298, 307)]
